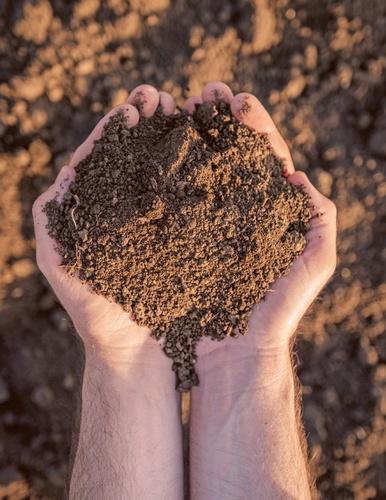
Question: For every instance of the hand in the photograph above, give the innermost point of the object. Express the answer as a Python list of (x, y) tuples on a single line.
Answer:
[(248, 383), (273, 322), (131, 417), (100, 323)]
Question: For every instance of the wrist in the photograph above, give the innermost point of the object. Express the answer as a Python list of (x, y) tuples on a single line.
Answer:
[(236, 369), (140, 367), (120, 344)]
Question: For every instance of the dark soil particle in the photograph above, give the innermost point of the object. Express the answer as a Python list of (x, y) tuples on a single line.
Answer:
[(185, 221)]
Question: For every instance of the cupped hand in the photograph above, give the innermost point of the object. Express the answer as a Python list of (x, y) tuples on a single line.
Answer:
[(273, 322), (102, 324)]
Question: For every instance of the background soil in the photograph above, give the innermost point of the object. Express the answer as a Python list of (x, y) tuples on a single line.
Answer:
[(319, 67)]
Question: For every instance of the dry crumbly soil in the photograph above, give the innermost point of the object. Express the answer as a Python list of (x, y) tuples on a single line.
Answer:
[(183, 220), (319, 67)]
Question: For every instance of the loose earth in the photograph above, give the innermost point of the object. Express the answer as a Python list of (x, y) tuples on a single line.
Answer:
[(185, 221)]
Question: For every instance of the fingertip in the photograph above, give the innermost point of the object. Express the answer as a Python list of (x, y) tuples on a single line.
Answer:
[(145, 98), (167, 103), (131, 113), (214, 92), (249, 110), (191, 103), (241, 105)]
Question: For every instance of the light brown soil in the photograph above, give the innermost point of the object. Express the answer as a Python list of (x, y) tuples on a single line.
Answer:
[(319, 67), (185, 221)]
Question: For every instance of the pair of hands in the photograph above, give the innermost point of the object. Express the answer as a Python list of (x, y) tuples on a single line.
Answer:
[(106, 329)]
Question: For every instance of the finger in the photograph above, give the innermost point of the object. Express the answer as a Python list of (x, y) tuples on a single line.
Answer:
[(132, 117), (145, 98), (167, 103), (249, 110), (322, 233), (214, 92), (191, 103)]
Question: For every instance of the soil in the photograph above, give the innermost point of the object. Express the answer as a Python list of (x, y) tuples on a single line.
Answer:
[(319, 68), (184, 221)]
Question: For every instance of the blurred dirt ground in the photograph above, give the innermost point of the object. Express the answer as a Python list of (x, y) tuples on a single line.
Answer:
[(319, 67)]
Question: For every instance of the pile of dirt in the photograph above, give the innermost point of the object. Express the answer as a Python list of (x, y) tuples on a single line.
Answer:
[(183, 220)]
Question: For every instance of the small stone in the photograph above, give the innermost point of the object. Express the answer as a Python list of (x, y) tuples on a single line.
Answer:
[(68, 382), (43, 396), (360, 433), (17, 293)]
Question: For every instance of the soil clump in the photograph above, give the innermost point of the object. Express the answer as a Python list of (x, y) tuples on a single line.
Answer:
[(185, 221)]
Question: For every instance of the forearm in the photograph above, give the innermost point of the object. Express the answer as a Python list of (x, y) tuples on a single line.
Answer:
[(245, 440), (129, 442)]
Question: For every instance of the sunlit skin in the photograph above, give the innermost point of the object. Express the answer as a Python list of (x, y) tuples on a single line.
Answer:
[(128, 389)]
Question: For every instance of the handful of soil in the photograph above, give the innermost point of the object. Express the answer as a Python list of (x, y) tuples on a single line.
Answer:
[(185, 221)]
